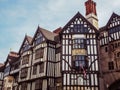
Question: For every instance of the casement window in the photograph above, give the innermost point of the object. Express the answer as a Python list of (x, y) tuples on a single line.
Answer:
[(24, 86), (25, 59), (38, 84), (79, 62), (110, 65), (24, 72), (39, 53), (79, 43), (34, 69), (41, 67)]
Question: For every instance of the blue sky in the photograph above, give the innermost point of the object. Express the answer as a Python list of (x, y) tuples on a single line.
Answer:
[(20, 17)]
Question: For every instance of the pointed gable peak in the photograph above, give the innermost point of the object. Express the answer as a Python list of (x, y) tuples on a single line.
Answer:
[(29, 38), (78, 17), (114, 14), (27, 41), (114, 18)]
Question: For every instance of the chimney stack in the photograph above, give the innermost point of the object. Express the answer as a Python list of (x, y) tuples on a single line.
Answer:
[(91, 13)]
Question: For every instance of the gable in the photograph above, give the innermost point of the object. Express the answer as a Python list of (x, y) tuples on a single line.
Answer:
[(26, 44), (38, 37), (79, 24), (113, 21)]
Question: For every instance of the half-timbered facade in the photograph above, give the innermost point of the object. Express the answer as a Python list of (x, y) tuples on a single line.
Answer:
[(43, 62), (9, 71), (110, 53), (14, 72), (25, 64), (79, 57)]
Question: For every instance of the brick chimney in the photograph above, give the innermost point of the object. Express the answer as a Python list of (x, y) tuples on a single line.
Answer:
[(91, 13)]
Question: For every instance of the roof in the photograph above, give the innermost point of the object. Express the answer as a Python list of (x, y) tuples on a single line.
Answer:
[(58, 30), (29, 38), (77, 16), (48, 35), (109, 21), (12, 57), (112, 16)]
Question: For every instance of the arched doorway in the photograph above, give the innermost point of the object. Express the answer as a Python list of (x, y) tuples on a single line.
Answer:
[(115, 86)]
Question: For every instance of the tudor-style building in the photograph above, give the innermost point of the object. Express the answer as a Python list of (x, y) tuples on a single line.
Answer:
[(9, 71), (25, 64), (110, 53), (79, 56), (43, 62), (14, 72)]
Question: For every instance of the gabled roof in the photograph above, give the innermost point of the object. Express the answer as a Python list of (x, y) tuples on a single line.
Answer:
[(49, 35), (46, 34), (111, 18), (78, 15), (28, 38), (12, 57)]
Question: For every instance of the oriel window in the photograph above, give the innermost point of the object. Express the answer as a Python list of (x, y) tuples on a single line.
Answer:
[(79, 62), (79, 43)]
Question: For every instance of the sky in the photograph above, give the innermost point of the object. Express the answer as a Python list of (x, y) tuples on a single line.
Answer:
[(22, 17)]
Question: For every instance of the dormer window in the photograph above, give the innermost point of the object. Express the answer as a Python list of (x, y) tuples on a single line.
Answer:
[(79, 52)]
